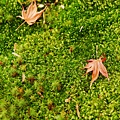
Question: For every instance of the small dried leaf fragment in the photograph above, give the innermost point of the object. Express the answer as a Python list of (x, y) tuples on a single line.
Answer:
[(62, 6), (31, 79), (68, 99), (15, 54), (40, 5), (23, 77), (20, 93), (77, 110), (15, 74), (15, 47), (71, 49), (56, 1), (1, 63), (96, 66), (31, 15), (51, 106), (40, 94)]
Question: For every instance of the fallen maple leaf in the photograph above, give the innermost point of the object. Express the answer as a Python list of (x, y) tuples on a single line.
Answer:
[(31, 15), (96, 66)]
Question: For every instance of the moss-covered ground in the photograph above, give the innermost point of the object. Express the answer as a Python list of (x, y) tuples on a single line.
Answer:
[(53, 54)]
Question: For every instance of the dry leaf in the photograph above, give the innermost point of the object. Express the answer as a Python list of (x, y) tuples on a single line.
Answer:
[(40, 94), (20, 93), (68, 99), (1, 63), (81, 29), (15, 74), (15, 47), (77, 109), (31, 79), (40, 5), (23, 77), (56, 1), (31, 15), (16, 54), (51, 105), (96, 66), (62, 6)]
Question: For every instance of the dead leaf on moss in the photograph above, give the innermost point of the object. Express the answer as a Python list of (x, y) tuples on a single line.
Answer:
[(31, 15), (96, 66)]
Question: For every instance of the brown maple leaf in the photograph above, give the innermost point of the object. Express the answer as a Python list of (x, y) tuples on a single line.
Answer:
[(31, 15), (96, 66)]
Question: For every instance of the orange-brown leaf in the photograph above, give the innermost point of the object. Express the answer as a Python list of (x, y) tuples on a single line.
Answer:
[(31, 15), (96, 66)]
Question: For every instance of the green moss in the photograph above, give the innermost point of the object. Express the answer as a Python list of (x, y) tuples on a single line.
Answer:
[(52, 57)]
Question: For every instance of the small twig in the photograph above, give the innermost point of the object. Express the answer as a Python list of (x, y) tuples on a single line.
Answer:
[(91, 84), (68, 99), (56, 1), (39, 93), (15, 47), (20, 26), (44, 15), (96, 51), (81, 29), (23, 77), (43, 18), (77, 109), (16, 54)]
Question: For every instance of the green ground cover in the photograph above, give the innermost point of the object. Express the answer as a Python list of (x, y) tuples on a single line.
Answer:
[(52, 57)]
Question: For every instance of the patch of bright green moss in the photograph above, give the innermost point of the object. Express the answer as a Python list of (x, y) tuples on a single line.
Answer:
[(52, 57)]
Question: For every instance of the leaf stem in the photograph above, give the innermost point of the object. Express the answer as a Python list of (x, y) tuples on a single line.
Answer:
[(20, 26)]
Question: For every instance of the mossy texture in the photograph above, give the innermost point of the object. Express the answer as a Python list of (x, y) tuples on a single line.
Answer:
[(52, 55)]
